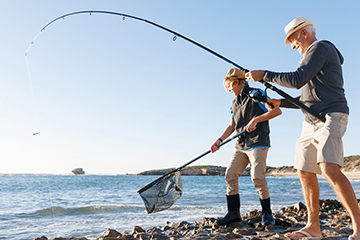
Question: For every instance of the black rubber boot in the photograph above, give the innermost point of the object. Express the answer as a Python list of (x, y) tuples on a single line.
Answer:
[(266, 213), (233, 215)]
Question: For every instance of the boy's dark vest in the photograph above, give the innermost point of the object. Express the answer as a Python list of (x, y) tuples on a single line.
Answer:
[(243, 112)]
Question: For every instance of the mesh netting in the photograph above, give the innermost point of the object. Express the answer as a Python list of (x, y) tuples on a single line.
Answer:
[(163, 194)]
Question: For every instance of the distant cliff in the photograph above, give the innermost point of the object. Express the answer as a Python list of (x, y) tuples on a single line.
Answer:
[(193, 170), (351, 163), (214, 171)]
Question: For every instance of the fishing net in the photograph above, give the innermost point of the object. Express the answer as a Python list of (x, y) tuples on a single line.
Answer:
[(162, 193)]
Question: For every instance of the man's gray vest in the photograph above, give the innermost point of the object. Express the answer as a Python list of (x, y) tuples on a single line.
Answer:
[(244, 111)]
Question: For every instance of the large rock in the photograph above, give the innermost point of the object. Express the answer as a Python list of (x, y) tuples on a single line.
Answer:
[(109, 234), (78, 171)]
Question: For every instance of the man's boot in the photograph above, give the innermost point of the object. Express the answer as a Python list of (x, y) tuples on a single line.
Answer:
[(266, 213), (233, 215)]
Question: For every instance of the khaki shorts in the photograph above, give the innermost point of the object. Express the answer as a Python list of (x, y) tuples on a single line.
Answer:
[(321, 142)]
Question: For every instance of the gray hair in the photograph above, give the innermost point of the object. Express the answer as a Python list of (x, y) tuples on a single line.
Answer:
[(310, 29)]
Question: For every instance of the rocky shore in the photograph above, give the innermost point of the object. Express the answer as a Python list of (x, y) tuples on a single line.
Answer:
[(335, 224)]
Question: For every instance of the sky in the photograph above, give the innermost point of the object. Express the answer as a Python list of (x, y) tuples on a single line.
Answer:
[(116, 96)]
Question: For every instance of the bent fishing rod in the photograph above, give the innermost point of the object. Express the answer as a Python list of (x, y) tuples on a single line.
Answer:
[(294, 101)]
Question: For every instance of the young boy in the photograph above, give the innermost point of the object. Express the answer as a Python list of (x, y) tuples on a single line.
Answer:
[(251, 147)]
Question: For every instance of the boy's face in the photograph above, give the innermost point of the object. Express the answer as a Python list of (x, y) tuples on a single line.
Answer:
[(233, 87)]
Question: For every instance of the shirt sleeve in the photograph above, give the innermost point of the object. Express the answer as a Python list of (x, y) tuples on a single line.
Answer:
[(311, 64), (261, 105), (231, 114), (287, 104)]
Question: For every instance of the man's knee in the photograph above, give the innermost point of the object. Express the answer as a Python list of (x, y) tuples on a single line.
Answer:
[(330, 170), (307, 178)]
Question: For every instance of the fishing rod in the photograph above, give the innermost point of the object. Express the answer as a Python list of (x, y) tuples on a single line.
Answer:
[(176, 34), (294, 101)]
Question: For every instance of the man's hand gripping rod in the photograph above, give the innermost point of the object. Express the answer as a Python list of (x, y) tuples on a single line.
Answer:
[(294, 101)]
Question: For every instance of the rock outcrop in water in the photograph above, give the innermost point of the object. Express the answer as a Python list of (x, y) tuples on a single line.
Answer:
[(78, 171), (335, 224)]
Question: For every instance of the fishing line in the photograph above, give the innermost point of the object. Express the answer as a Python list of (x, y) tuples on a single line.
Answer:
[(33, 98), (38, 132)]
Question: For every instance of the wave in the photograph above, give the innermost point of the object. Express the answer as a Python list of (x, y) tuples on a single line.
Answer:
[(94, 210), (77, 211), (109, 209)]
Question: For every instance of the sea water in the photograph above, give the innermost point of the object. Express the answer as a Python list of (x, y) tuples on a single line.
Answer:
[(84, 206)]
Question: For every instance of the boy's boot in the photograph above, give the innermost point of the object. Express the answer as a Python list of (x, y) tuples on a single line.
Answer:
[(233, 215), (266, 213)]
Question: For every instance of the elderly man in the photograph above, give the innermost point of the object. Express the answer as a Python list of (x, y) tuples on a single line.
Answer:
[(319, 149)]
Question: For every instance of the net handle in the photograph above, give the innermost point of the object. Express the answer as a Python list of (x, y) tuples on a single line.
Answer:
[(202, 155), (188, 163)]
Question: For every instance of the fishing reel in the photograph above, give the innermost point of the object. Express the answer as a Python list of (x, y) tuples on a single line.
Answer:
[(256, 95)]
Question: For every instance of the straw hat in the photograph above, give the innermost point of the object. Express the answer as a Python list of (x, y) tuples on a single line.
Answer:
[(295, 25), (235, 73)]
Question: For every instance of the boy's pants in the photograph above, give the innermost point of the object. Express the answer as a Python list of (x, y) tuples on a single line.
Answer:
[(239, 161)]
